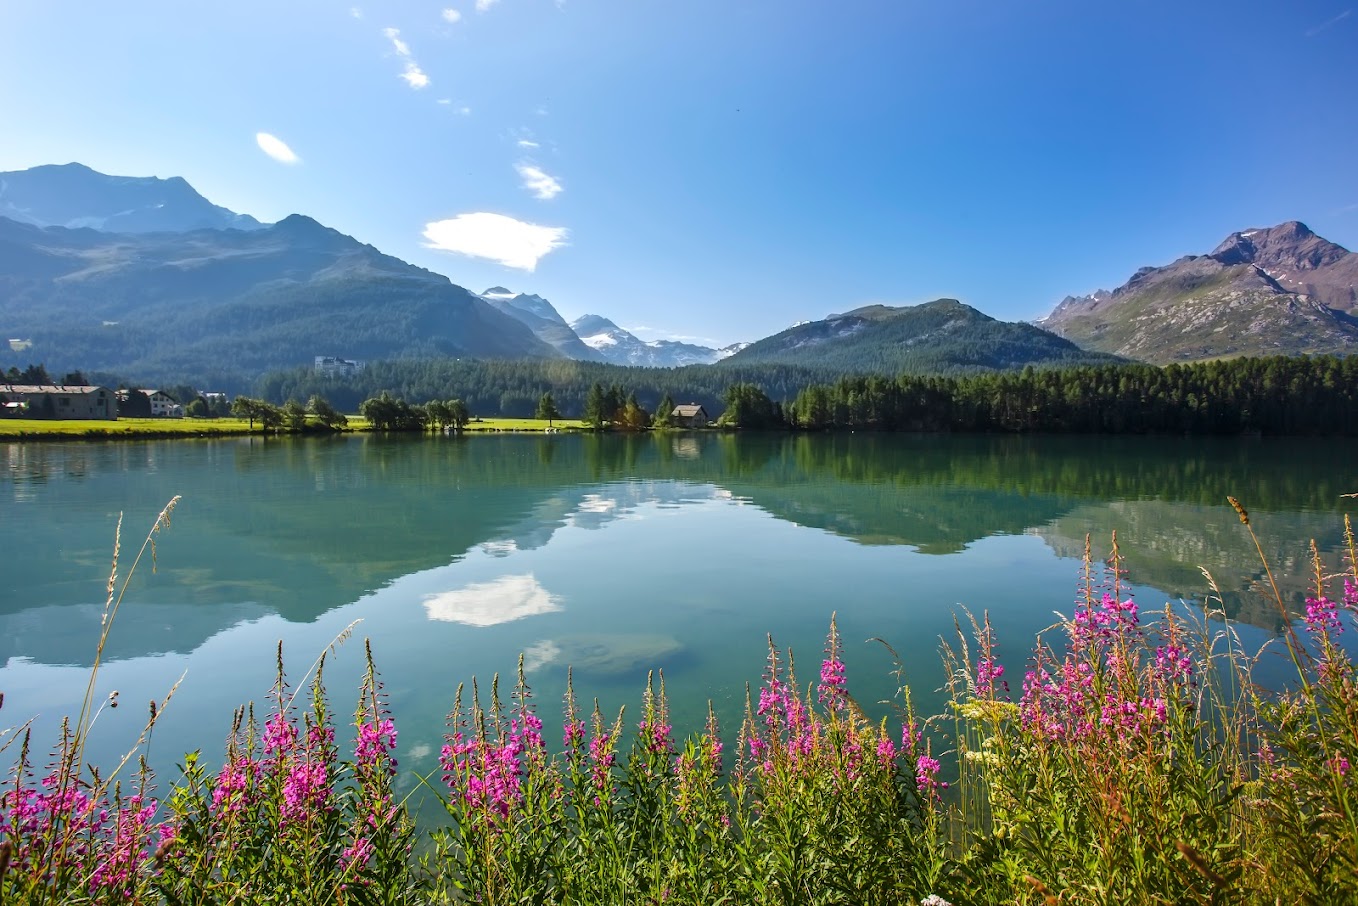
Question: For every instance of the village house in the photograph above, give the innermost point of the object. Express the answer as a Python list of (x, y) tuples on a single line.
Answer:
[(58, 401), (332, 365), (690, 415), (163, 405)]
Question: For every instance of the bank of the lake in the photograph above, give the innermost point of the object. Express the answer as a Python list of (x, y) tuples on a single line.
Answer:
[(34, 429)]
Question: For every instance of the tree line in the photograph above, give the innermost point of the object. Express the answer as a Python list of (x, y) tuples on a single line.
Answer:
[(1273, 395), (513, 389)]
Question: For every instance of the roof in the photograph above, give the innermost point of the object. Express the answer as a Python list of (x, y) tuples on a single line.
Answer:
[(50, 388), (688, 410)]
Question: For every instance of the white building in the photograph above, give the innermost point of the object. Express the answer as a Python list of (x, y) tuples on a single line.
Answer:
[(163, 405), (332, 365)]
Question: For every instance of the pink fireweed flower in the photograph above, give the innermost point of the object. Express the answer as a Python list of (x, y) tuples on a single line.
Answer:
[(1174, 664), (1101, 624), (602, 758), (229, 795), (279, 735), (573, 733), (376, 742), (833, 690), (131, 835), (988, 671), (911, 736), (886, 752), (926, 775), (655, 737), (356, 857), (305, 791), (1322, 616)]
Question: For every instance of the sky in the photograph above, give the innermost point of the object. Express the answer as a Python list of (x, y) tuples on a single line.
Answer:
[(717, 170)]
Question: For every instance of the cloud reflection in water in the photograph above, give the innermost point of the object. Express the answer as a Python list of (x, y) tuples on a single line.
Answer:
[(504, 600)]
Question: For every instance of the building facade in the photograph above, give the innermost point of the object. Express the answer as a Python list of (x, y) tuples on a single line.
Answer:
[(58, 401)]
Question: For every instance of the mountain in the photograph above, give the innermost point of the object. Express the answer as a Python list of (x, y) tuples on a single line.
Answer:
[(73, 195), (619, 347), (1280, 290), (939, 337), (540, 317), (224, 305)]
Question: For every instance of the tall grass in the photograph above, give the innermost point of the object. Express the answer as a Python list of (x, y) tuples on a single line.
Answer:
[(1132, 759)]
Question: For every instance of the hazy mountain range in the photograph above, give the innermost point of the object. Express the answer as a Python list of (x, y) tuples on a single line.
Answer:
[(146, 277), (74, 196)]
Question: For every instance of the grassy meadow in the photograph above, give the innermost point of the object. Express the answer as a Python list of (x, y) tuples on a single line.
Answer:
[(100, 429)]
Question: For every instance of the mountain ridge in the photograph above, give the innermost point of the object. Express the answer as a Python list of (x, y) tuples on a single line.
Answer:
[(942, 335), (1280, 290), (74, 196)]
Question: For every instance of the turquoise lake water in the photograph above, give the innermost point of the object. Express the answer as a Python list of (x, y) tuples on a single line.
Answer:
[(612, 554)]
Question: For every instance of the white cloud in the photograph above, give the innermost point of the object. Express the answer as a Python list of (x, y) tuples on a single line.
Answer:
[(356, 12), (528, 143), (451, 16), (513, 243), (540, 654), (413, 74), (276, 148), (483, 5), (394, 36), (543, 186), (504, 600)]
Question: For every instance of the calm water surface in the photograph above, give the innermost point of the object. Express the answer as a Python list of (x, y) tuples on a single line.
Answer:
[(612, 554)]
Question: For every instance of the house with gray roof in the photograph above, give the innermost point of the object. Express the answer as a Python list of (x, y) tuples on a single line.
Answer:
[(58, 401)]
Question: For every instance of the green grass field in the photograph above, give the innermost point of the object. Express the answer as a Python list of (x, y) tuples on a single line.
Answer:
[(40, 428), (153, 427)]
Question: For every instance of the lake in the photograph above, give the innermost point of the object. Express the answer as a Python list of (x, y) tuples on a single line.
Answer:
[(613, 554)]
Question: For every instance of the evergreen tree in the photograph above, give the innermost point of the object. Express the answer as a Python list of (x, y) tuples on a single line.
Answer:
[(547, 409), (664, 412), (596, 415)]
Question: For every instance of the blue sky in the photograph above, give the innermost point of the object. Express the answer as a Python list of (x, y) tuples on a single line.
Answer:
[(719, 169)]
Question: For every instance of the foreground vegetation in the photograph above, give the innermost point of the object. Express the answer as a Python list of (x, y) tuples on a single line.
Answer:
[(1133, 762)]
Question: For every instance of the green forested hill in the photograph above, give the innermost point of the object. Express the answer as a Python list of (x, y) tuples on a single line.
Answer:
[(222, 306), (940, 337)]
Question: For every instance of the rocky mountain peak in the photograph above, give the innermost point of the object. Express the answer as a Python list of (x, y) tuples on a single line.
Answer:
[(1287, 245)]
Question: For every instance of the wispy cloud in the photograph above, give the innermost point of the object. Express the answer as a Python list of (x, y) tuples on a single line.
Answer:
[(414, 76), (513, 243), (451, 16), (394, 36), (543, 186), (1348, 208), (276, 148), (1312, 32), (483, 5), (660, 333), (528, 143), (356, 12)]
